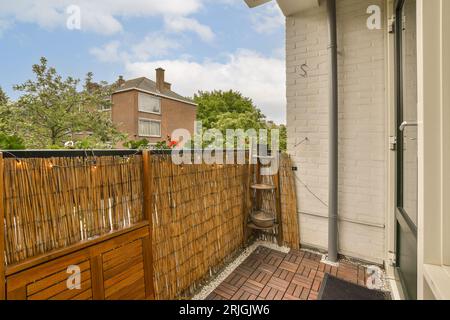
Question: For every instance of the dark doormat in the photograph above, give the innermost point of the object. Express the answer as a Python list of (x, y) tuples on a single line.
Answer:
[(336, 289)]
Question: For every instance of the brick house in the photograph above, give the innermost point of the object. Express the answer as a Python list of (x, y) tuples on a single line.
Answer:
[(385, 134), (145, 109)]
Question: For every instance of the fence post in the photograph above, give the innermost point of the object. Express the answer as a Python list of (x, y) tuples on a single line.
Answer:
[(277, 183), (2, 232), (147, 178), (97, 281)]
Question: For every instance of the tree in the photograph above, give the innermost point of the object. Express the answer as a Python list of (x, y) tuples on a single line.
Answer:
[(282, 133), (4, 112), (52, 111), (231, 110), (11, 142), (8, 138), (3, 97), (227, 110), (138, 144)]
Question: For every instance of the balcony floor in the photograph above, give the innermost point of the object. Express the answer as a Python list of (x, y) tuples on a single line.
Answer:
[(272, 275)]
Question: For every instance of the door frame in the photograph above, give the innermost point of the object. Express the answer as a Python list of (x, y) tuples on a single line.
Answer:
[(401, 217), (399, 116)]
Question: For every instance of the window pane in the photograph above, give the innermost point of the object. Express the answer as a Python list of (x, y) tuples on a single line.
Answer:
[(148, 103), (155, 128), (409, 67), (148, 128)]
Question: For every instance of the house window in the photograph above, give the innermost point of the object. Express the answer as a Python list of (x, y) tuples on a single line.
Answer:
[(148, 103), (105, 108), (149, 128)]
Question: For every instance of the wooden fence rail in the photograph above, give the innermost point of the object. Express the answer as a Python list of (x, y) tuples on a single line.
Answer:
[(138, 225)]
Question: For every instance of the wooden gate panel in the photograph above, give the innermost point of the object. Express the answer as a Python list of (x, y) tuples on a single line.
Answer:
[(49, 281), (123, 272), (115, 268)]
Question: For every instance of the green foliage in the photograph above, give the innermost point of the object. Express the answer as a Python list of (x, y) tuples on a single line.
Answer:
[(51, 111), (9, 126), (11, 142), (224, 110), (161, 145), (282, 133), (167, 144), (227, 110), (139, 144), (3, 97)]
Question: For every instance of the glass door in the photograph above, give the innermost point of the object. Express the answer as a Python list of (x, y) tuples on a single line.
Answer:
[(407, 164)]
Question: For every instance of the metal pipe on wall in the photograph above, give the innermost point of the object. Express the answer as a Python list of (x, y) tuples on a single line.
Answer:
[(333, 134)]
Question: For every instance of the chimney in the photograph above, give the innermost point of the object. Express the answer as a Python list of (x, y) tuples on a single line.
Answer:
[(121, 81), (160, 79), (167, 86)]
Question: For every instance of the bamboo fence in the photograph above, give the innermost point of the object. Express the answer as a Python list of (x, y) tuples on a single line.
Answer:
[(53, 203), (289, 216), (198, 222), (289, 213), (197, 211)]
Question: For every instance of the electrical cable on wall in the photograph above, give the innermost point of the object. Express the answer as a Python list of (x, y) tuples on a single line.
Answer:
[(304, 184), (311, 192)]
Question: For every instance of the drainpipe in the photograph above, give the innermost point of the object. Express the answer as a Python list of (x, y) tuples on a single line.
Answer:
[(333, 136)]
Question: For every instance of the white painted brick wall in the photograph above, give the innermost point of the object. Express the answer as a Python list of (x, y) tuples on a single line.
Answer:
[(362, 134)]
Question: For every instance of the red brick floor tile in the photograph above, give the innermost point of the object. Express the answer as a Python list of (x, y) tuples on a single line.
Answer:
[(274, 294), (303, 281), (268, 268), (294, 290), (310, 263), (305, 294), (252, 287), (289, 297), (278, 284), (271, 275), (294, 257), (273, 260), (244, 271), (225, 290), (265, 292), (316, 285), (313, 295), (261, 277), (322, 267), (283, 275), (236, 280), (289, 266)]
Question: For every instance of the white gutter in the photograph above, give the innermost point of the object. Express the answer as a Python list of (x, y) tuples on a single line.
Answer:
[(155, 94), (289, 7)]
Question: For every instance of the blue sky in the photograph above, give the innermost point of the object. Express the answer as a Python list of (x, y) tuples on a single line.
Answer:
[(202, 44)]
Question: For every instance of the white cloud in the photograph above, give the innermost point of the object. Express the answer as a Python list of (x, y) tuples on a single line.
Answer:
[(154, 45), (180, 24), (108, 53), (103, 16), (267, 18), (254, 75), (4, 25)]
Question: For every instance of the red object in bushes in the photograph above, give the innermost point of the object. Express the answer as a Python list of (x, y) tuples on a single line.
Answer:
[(172, 144)]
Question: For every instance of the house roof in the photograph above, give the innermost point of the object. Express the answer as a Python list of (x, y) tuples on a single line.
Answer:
[(147, 85)]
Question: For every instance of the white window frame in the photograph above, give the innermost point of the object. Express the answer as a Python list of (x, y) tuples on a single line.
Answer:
[(106, 110), (152, 97), (110, 106), (149, 120)]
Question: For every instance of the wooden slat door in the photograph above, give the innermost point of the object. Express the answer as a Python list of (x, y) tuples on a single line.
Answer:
[(114, 269)]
